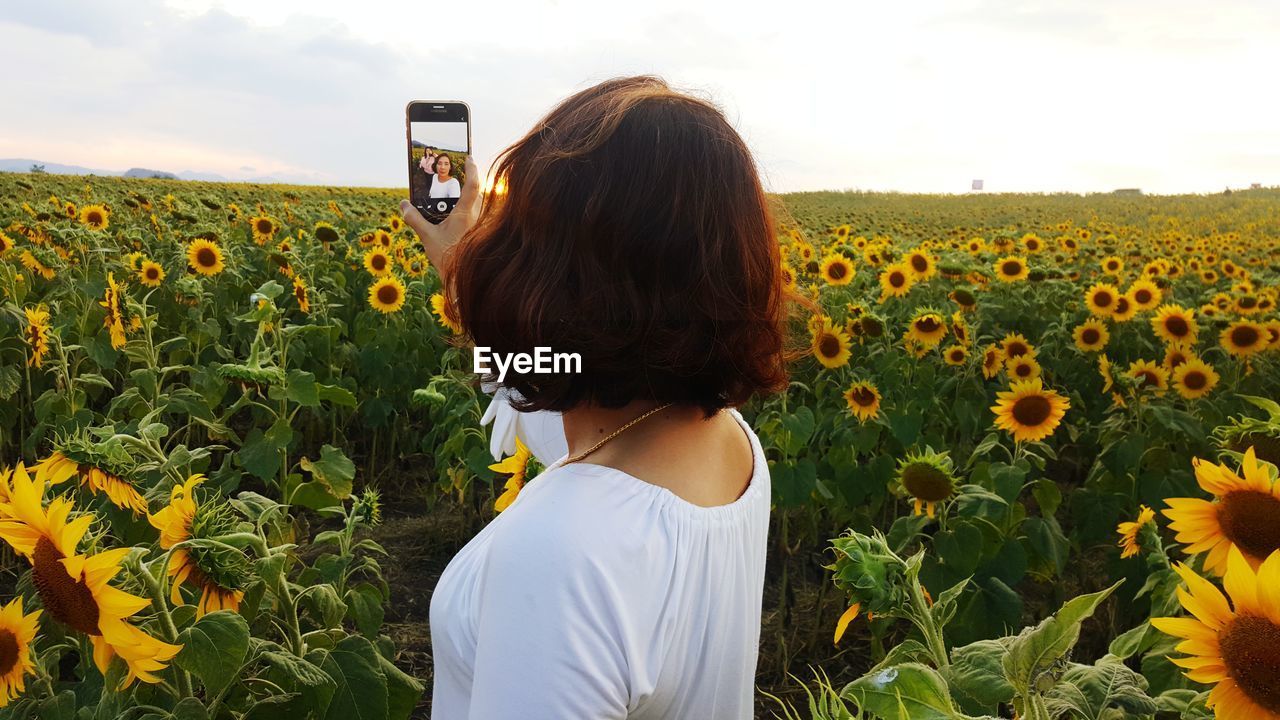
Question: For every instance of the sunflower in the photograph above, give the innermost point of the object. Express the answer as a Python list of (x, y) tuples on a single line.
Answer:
[(1243, 338), (150, 274), (1149, 376), (1023, 367), (382, 238), (992, 361), (1101, 299), (1112, 265), (326, 233), (218, 574), (928, 328), (415, 266), (377, 262), (1175, 324), (1015, 345), (1144, 294), (75, 589), (60, 467), (964, 298), (445, 313), (1091, 335), (1032, 243), (264, 228), (6, 243), (1244, 514), (1194, 379), (927, 478), (1177, 354), (17, 633), (95, 217), (387, 295), (1125, 309), (1232, 646), (921, 264), (956, 355), (863, 399), (37, 335), (300, 294), (114, 320), (831, 345), (395, 223), (34, 264), (205, 257), (1028, 411), (517, 466), (1129, 531), (1011, 269), (895, 281), (836, 269), (788, 276)]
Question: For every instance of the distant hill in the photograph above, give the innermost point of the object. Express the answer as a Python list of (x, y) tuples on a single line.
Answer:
[(22, 165), (145, 173)]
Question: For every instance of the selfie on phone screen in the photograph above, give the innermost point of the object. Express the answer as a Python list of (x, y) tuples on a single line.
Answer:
[(438, 146)]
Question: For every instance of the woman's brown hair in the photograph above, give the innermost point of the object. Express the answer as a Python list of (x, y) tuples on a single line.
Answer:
[(633, 231)]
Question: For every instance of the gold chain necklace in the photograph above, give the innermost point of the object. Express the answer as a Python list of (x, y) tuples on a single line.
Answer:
[(613, 435)]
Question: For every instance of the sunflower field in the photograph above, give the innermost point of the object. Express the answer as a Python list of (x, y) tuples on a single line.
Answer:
[(1026, 465)]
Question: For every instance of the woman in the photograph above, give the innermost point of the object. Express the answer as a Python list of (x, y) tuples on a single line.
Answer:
[(627, 585), (443, 186)]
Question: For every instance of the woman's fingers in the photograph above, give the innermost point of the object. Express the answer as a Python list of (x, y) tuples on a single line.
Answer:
[(414, 219), (469, 200)]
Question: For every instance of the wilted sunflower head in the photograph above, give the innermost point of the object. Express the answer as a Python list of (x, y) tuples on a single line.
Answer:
[(927, 477), (1261, 434), (869, 571)]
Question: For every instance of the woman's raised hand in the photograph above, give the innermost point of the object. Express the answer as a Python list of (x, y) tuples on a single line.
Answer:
[(438, 240)]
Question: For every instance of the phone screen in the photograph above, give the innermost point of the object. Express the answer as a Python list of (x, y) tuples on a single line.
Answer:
[(439, 142)]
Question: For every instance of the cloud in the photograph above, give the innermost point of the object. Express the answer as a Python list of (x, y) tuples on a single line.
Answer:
[(917, 96)]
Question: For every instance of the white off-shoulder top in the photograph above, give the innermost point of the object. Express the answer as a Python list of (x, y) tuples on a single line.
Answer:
[(596, 595)]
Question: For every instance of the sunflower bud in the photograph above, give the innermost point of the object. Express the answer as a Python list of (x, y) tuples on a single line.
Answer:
[(871, 573)]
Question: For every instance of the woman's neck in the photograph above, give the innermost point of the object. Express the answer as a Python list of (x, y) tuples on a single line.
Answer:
[(587, 425), (442, 176)]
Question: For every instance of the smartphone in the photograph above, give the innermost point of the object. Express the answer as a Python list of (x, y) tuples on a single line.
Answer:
[(439, 138)]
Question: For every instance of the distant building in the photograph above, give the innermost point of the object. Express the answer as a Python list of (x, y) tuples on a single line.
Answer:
[(976, 186), (1127, 191), (1255, 186)]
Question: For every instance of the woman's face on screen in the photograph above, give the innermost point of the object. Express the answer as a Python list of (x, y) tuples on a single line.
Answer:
[(443, 165)]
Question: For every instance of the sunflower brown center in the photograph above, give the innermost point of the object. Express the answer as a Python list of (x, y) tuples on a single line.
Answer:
[(1122, 306), (264, 227), (1176, 325), (928, 325), (1011, 268), (919, 263), (863, 397), (1248, 302), (152, 274), (9, 650), (1089, 336), (1244, 336), (379, 262), (68, 600), (1143, 296), (1147, 378), (388, 294), (206, 257), (1022, 369), (1032, 410), (829, 346), (95, 218), (1251, 651), (1102, 298), (1194, 380), (1251, 520), (926, 482), (1015, 349), (897, 279), (836, 271)]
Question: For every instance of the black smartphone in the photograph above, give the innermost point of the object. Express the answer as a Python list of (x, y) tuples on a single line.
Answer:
[(439, 138)]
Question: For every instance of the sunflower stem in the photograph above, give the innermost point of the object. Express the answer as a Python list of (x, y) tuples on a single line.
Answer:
[(166, 621)]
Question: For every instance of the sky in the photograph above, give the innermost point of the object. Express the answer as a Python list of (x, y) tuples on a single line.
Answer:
[(922, 96)]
